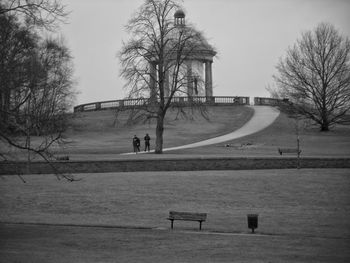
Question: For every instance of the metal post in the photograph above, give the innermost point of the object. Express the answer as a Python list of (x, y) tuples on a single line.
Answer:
[(298, 143), (298, 149)]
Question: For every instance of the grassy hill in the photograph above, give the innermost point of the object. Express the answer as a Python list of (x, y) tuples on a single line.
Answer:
[(100, 135), (101, 132), (282, 133), (94, 133)]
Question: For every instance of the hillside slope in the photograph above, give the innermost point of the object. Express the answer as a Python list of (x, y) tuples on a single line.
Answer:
[(282, 133), (101, 133)]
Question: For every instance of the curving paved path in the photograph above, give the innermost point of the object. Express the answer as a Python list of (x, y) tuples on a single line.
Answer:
[(263, 117)]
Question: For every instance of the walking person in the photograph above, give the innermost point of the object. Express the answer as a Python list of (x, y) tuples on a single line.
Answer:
[(147, 144), (136, 144)]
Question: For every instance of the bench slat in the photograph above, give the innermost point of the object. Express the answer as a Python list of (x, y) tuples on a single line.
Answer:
[(288, 150), (187, 216)]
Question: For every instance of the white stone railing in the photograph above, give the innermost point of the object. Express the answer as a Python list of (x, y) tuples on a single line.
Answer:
[(141, 102)]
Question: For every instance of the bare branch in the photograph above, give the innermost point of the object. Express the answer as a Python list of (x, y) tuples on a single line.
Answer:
[(42, 13), (316, 75)]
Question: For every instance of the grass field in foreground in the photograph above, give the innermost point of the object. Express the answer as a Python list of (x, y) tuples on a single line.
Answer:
[(303, 202), (303, 216), (43, 244), (306, 210)]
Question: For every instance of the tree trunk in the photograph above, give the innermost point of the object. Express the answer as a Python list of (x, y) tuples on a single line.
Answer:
[(159, 134), (324, 126), (4, 107), (324, 121)]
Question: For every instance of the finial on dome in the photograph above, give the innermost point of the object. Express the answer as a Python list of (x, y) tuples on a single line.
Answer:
[(179, 18)]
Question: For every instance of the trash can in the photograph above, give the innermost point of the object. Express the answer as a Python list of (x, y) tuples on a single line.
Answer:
[(252, 221)]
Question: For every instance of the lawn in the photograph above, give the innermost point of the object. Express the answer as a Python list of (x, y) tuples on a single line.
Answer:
[(94, 133), (282, 133), (303, 216), (100, 133), (97, 135), (43, 244)]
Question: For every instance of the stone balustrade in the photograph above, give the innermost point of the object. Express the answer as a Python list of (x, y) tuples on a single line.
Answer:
[(180, 101)]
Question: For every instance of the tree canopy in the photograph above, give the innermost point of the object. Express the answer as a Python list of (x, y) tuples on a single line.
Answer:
[(46, 14), (315, 76), (36, 78)]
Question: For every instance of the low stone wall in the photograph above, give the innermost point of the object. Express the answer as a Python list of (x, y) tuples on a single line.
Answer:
[(171, 164)]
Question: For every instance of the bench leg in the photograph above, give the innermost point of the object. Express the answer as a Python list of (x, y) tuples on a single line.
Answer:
[(172, 224), (200, 225)]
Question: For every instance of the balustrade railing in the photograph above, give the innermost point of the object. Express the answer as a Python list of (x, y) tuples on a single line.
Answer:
[(141, 102), (269, 101)]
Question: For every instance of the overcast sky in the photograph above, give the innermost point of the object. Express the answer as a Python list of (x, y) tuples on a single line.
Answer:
[(250, 36)]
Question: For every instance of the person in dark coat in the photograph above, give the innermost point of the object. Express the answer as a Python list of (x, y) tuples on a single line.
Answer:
[(136, 144), (147, 144)]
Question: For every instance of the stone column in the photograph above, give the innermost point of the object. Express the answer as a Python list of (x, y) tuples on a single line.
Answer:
[(189, 79), (208, 79), (153, 80)]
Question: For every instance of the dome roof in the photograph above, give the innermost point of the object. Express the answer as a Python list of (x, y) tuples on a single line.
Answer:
[(179, 14), (196, 45)]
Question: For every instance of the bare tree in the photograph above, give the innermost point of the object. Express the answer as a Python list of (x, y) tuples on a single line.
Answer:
[(36, 89), (53, 94), (16, 48), (315, 76), (155, 61), (40, 13)]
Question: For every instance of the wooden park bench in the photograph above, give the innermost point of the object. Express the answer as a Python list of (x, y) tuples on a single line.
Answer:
[(288, 150), (186, 216), (62, 158)]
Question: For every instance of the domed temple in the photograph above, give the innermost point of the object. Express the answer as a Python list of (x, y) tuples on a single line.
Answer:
[(196, 73), (197, 65)]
